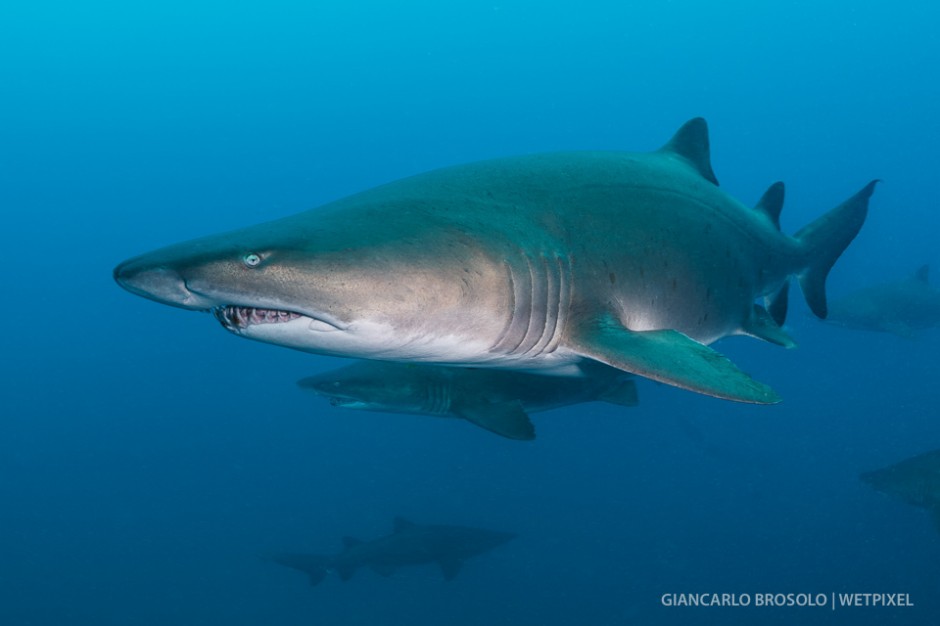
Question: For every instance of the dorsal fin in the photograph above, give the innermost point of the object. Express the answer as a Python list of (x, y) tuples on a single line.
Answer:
[(771, 203), (923, 274), (691, 143), (400, 524)]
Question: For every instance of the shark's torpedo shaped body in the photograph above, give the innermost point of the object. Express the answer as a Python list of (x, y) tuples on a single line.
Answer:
[(409, 544), (497, 400), (901, 308), (915, 481), (636, 260)]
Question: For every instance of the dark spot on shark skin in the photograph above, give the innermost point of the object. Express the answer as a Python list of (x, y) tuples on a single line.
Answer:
[(674, 284), (708, 296), (613, 278)]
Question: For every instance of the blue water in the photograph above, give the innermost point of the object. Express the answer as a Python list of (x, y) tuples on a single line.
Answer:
[(149, 460)]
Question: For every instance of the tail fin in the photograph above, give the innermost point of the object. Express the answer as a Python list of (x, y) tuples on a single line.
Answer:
[(823, 242)]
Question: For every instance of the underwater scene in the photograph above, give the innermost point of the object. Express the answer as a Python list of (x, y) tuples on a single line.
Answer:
[(556, 313)]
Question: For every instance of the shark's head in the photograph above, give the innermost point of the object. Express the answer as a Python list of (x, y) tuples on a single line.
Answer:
[(329, 286), (248, 281), (854, 314), (910, 484), (375, 386)]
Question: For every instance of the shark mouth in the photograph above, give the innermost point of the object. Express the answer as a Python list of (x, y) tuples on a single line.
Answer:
[(241, 317), (347, 403)]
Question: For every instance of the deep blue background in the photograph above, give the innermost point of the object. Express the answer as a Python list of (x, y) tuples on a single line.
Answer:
[(148, 459)]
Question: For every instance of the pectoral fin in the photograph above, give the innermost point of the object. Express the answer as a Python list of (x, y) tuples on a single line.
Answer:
[(508, 419), (449, 567), (900, 329), (669, 357), (345, 570)]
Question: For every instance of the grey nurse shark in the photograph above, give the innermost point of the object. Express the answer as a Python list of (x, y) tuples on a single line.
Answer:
[(409, 544), (497, 400), (902, 308), (634, 260), (915, 481)]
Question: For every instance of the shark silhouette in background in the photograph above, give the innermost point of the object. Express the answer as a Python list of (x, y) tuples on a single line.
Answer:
[(901, 308), (535, 263), (497, 400), (409, 544), (915, 481)]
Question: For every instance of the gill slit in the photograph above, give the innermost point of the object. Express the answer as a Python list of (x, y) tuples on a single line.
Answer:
[(540, 298), (438, 399)]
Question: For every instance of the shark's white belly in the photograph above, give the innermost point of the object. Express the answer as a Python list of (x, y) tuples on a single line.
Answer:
[(384, 342)]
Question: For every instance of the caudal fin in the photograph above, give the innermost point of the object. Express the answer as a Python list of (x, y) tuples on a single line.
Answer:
[(825, 240)]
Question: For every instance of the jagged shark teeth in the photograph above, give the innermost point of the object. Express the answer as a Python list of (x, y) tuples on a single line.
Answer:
[(237, 317)]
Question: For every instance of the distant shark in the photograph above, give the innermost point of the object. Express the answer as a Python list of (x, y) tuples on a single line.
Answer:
[(497, 400), (901, 308), (409, 544), (915, 481), (635, 260)]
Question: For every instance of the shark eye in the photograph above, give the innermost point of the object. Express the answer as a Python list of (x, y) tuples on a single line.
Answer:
[(251, 259)]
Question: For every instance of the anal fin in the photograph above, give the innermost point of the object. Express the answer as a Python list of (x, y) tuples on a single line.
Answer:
[(669, 357), (776, 303), (762, 325), (449, 567)]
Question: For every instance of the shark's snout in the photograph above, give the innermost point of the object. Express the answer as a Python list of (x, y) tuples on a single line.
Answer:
[(160, 283), (319, 384), (877, 480), (868, 478)]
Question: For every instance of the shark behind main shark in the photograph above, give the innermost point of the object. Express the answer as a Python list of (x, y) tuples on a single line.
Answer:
[(915, 481), (409, 544), (634, 260), (496, 400), (901, 308)]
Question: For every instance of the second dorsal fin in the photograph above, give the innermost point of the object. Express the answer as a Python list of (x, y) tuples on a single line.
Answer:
[(771, 203)]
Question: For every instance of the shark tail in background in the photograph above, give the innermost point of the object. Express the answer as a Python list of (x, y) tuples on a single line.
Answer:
[(824, 240), (315, 566)]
